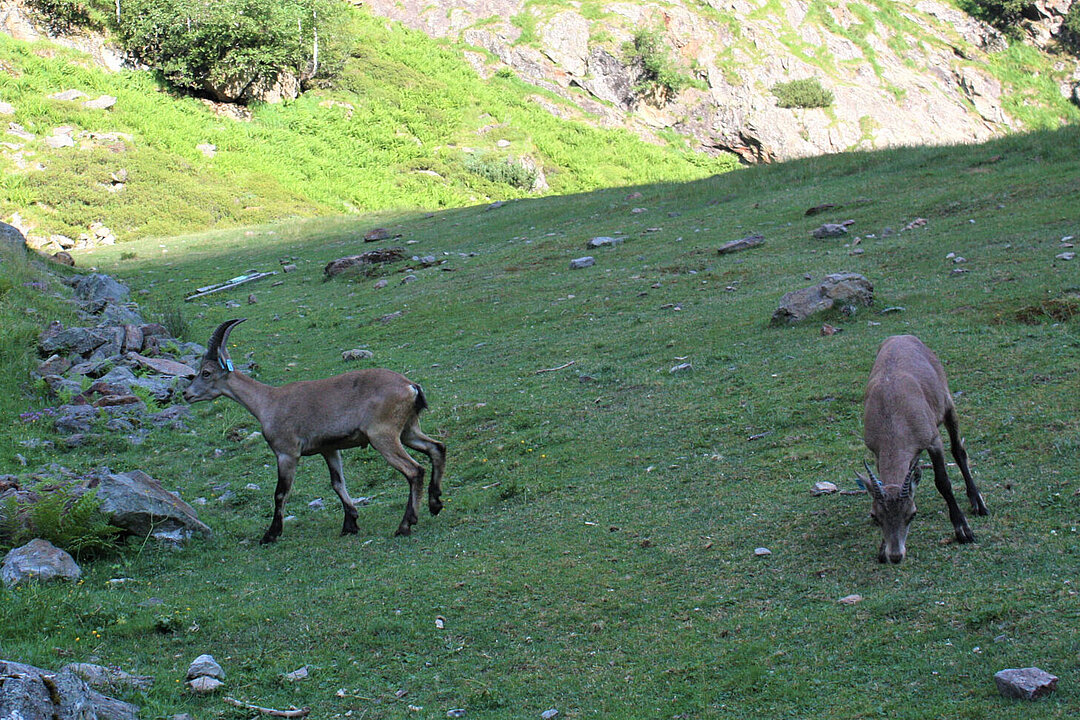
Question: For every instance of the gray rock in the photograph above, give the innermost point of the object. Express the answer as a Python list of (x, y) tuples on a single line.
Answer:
[(830, 230), (68, 95), (357, 354), (30, 693), (10, 236), (842, 291), (140, 505), (823, 488), (75, 419), (101, 287), (1025, 683), (602, 242), (100, 677), (582, 262), (171, 417), (81, 341), (102, 103), (38, 560), (750, 241), (205, 666)]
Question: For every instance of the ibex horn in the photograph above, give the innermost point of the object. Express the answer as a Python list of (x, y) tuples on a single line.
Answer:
[(218, 343), (909, 481), (873, 485)]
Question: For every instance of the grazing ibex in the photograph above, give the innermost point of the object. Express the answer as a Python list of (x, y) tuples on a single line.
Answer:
[(907, 398), (374, 406)]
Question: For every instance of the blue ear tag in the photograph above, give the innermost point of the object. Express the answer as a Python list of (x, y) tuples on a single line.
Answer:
[(225, 363)]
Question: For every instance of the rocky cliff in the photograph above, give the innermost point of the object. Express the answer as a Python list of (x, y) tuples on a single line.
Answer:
[(901, 72)]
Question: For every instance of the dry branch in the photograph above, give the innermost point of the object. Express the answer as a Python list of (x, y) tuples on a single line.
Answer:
[(294, 713)]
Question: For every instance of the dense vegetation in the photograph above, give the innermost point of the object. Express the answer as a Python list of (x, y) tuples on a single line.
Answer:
[(596, 553)]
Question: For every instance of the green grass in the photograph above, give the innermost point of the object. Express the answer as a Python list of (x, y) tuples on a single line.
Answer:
[(393, 134), (596, 550)]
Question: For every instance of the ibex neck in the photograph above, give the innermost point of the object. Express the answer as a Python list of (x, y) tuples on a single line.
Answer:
[(250, 393)]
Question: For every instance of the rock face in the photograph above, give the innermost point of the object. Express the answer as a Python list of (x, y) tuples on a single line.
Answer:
[(140, 505), (842, 291), (893, 85), (30, 693), (38, 560)]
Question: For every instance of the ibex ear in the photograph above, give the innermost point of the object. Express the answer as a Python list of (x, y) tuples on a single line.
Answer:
[(218, 349)]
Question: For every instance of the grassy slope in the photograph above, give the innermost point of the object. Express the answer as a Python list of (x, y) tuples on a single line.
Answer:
[(415, 108), (596, 552)]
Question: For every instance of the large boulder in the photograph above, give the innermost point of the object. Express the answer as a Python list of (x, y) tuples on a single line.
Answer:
[(844, 292), (38, 560), (30, 693), (140, 505), (11, 236), (101, 287)]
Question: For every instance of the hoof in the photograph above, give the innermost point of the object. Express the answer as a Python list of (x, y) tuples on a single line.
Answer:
[(402, 530), (268, 538), (350, 530), (964, 536), (979, 508), (435, 507)]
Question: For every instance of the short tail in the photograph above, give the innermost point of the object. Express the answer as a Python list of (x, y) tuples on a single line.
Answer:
[(420, 404)]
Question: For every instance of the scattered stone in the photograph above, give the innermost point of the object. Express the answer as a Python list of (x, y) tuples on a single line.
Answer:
[(842, 291), (317, 504), (456, 713), (762, 551), (750, 241), (819, 209), (204, 685), (57, 141), (139, 504), (1065, 256), (378, 234), (30, 693), (297, 675), (288, 268), (7, 108), (959, 259), (357, 354), (163, 366), (850, 599), (681, 367), (582, 262), (68, 95), (916, 223), (381, 283), (38, 560), (408, 279), (102, 103), (64, 258), (827, 329), (830, 230), (823, 488), (252, 300), (207, 149), (205, 666), (11, 236), (549, 714), (108, 678), (603, 241), (1025, 683), (372, 257)]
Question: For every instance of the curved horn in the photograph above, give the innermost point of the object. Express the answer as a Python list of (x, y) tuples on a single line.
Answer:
[(217, 346), (873, 485), (912, 479)]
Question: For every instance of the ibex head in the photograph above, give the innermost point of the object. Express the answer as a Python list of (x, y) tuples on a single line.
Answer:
[(892, 510), (215, 366)]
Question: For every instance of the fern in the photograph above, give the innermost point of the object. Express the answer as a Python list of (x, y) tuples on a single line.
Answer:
[(69, 520)]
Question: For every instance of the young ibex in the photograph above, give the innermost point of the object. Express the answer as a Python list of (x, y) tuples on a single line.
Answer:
[(375, 406), (907, 398)]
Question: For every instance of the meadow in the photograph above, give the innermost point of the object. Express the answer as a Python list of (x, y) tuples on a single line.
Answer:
[(596, 554)]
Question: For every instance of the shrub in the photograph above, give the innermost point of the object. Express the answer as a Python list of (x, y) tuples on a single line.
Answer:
[(63, 15), (805, 93), (191, 41), (660, 77), (68, 517), (506, 170)]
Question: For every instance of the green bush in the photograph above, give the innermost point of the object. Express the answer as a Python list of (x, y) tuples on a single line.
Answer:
[(63, 15), (505, 170), (660, 77), (191, 41), (805, 93), (69, 518)]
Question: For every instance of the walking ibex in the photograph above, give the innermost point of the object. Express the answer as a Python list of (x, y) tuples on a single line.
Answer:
[(323, 417), (907, 398)]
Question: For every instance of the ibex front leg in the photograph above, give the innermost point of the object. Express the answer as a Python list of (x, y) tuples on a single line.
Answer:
[(286, 470), (941, 480), (337, 481)]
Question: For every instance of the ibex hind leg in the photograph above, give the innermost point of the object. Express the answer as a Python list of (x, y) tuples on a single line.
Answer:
[(941, 480), (959, 453), (395, 454), (413, 437)]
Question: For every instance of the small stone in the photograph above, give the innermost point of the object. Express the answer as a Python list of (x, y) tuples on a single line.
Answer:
[(204, 684), (850, 599), (1025, 683), (207, 149), (823, 488), (601, 241), (252, 486), (252, 300), (456, 713), (68, 95), (830, 230), (297, 675), (762, 551), (827, 329), (408, 279), (959, 259), (381, 284), (681, 367), (357, 354), (549, 714), (1065, 256), (102, 103), (582, 262), (288, 268), (205, 666), (317, 504)]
